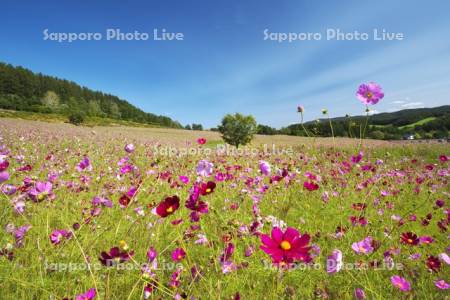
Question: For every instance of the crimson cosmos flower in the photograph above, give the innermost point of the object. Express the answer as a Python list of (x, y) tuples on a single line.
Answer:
[(433, 263), (168, 206), (207, 188), (115, 256), (409, 238), (286, 247)]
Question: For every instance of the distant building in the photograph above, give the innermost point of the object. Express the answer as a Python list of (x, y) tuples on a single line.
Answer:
[(408, 137)]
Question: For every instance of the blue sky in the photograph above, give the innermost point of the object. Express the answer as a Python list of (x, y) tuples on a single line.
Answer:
[(224, 65)]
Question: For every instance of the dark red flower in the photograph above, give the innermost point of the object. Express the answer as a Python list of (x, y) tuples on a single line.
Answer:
[(409, 238), (124, 200), (115, 256), (168, 206), (207, 188), (433, 263)]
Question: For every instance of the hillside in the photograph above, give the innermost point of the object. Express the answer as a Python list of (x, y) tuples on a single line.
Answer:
[(422, 123), (24, 90)]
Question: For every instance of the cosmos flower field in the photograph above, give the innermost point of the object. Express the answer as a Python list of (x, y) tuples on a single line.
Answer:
[(102, 213)]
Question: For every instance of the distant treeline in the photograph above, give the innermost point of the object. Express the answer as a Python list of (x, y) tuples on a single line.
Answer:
[(23, 90), (421, 123)]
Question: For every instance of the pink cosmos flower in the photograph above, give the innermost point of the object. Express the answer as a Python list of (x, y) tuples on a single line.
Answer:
[(334, 262), (19, 234), (4, 176), (228, 267), (264, 167), (369, 93), (364, 246), (58, 235), (41, 191), (178, 254), (286, 247), (8, 189), (441, 284), (89, 295), (401, 283), (129, 148), (445, 258), (204, 168)]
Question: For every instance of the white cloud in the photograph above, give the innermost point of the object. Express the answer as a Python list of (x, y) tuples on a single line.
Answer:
[(413, 105)]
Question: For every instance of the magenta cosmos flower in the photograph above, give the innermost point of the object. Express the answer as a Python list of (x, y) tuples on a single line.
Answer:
[(89, 295), (85, 164), (201, 141), (310, 186), (369, 93), (286, 247), (178, 254), (401, 283), (168, 206)]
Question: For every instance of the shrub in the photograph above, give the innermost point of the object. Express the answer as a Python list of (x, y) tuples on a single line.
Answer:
[(76, 118)]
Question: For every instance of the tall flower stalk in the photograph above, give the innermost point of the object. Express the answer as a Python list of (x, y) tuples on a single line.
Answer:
[(325, 112), (300, 109)]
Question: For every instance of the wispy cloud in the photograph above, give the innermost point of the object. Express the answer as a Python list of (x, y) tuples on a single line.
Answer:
[(413, 105)]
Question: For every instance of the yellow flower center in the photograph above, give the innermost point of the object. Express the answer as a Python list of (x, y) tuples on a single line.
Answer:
[(285, 245), (123, 245), (362, 249), (369, 95), (169, 209), (208, 190), (410, 241)]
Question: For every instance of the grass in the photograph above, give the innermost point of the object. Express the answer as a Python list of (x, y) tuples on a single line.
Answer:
[(58, 118), (421, 122), (35, 271)]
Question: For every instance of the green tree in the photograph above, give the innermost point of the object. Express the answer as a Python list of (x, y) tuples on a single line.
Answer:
[(51, 100), (197, 127), (238, 129), (377, 134)]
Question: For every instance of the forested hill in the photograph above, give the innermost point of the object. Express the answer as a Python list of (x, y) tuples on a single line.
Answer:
[(422, 123), (21, 89)]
